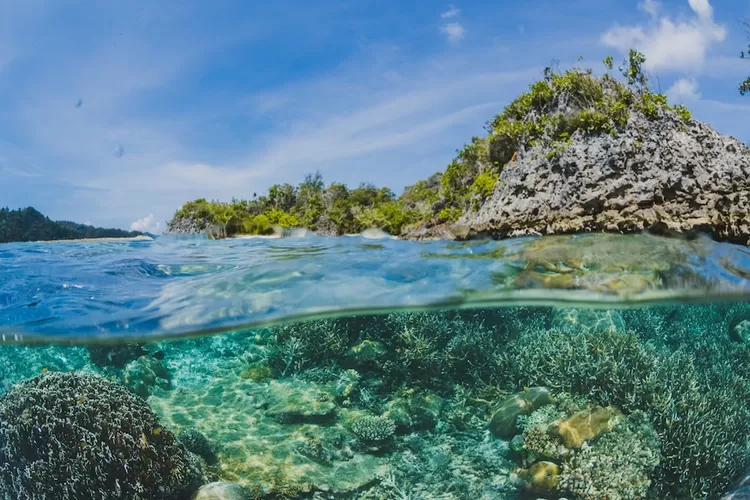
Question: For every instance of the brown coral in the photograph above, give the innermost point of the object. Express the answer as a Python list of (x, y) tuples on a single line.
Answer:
[(541, 477), (503, 423), (585, 425)]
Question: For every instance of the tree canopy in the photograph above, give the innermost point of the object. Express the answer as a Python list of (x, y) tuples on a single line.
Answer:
[(28, 224)]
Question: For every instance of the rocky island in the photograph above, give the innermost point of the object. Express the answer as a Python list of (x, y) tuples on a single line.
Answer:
[(576, 153)]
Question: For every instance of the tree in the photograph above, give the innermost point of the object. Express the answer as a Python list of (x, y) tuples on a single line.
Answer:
[(282, 196)]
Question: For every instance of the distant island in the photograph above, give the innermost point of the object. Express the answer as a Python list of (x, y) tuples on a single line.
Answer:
[(577, 152), (28, 224)]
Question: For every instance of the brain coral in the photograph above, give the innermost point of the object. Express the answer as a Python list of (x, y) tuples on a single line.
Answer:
[(70, 436)]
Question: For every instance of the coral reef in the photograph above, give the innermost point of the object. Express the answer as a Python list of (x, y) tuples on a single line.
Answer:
[(446, 466), (504, 420), (76, 436), (618, 466), (648, 403), (145, 373), (373, 430), (541, 477), (695, 403), (600, 453), (195, 442), (116, 356), (585, 425)]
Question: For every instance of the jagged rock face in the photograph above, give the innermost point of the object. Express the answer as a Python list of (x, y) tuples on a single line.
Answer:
[(185, 226), (665, 175)]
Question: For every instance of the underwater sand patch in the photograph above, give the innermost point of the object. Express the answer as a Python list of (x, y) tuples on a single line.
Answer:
[(265, 453)]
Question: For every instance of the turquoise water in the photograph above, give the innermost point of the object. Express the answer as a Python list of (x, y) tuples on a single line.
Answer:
[(569, 367)]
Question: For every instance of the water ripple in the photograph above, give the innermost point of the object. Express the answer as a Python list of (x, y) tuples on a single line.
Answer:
[(85, 291)]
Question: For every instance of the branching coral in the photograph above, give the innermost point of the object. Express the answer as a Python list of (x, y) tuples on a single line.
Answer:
[(71, 436), (618, 466), (373, 429), (699, 411)]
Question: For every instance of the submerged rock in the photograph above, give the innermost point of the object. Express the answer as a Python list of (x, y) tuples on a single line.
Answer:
[(145, 373), (504, 420), (413, 410)]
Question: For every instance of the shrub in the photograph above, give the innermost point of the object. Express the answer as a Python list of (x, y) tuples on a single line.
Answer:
[(280, 218), (484, 184)]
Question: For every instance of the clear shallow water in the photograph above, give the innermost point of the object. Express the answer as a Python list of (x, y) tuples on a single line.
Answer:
[(177, 286), (352, 368)]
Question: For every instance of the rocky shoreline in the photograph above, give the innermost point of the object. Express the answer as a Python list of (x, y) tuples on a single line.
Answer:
[(665, 176)]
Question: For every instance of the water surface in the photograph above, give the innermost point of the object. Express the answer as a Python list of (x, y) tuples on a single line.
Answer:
[(182, 286)]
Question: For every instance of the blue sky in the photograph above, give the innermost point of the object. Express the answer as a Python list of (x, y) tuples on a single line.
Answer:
[(115, 113)]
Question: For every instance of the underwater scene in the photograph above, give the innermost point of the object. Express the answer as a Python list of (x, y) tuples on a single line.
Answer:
[(577, 367)]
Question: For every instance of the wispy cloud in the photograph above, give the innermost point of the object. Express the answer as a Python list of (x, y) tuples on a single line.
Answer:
[(683, 90), (650, 7), (147, 224), (670, 45), (453, 31), (451, 12)]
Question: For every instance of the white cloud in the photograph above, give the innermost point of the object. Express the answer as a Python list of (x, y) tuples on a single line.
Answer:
[(650, 7), (452, 12), (454, 31), (670, 45), (147, 224), (683, 90)]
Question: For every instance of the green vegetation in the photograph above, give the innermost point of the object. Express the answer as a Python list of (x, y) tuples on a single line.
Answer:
[(28, 224), (333, 209), (548, 116)]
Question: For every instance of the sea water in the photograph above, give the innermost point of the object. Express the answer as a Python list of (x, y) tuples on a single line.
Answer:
[(594, 366)]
